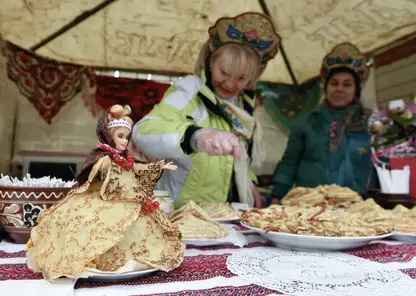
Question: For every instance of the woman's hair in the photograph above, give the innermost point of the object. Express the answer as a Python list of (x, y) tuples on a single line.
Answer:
[(119, 112), (238, 59)]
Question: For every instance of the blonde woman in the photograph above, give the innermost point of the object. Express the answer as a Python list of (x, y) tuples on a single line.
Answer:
[(205, 123)]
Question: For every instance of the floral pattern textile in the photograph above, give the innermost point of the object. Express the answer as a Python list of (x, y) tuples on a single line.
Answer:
[(252, 29)]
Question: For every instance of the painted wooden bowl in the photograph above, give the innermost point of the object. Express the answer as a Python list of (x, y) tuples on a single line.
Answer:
[(21, 206)]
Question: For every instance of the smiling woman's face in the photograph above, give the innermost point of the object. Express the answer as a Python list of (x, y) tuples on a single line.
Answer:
[(234, 67), (340, 91), (225, 83)]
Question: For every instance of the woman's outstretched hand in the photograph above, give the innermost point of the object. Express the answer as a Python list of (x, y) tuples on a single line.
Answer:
[(258, 199), (216, 142)]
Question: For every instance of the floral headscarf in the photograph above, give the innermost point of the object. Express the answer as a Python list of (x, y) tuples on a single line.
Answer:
[(104, 137)]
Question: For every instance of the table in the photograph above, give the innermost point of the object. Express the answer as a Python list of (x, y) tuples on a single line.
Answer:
[(389, 201), (203, 272)]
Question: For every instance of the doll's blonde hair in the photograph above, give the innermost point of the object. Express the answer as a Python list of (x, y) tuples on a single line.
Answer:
[(237, 59), (120, 113)]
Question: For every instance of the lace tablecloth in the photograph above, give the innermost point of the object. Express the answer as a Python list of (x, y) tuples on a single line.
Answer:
[(203, 272)]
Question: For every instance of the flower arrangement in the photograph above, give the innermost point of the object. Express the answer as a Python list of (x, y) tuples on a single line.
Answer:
[(393, 128)]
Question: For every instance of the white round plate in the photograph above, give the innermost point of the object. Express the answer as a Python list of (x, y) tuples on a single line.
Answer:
[(300, 242), (238, 206), (121, 276), (404, 237), (226, 220), (204, 242)]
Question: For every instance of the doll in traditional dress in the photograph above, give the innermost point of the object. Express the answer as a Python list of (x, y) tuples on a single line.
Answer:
[(110, 218)]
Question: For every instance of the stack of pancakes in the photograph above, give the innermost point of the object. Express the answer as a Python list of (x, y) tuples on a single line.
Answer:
[(194, 222), (221, 210)]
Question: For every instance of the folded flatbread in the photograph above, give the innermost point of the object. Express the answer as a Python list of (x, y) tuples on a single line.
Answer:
[(221, 210), (194, 222)]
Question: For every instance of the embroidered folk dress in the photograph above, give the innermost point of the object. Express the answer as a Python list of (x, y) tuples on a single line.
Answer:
[(101, 225)]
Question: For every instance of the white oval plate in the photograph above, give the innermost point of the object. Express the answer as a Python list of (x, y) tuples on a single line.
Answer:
[(238, 206), (204, 242), (300, 242), (226, 220), (404, 237), (124, 276)]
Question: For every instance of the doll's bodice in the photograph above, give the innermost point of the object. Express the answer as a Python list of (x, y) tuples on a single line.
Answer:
[(138, 182)]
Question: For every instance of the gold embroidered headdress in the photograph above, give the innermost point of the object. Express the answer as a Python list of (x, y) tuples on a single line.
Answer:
[(253, 29), (345, 55)]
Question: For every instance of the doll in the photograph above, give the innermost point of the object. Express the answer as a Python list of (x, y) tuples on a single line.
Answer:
[(111, 217)]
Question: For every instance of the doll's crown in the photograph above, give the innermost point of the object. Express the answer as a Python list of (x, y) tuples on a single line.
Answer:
[(119, 123)]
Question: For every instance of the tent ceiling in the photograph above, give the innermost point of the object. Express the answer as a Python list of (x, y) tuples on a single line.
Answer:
[(165, 35)]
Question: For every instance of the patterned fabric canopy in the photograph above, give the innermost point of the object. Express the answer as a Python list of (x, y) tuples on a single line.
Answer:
[(166, 36), (46, 83), (141, 95)]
